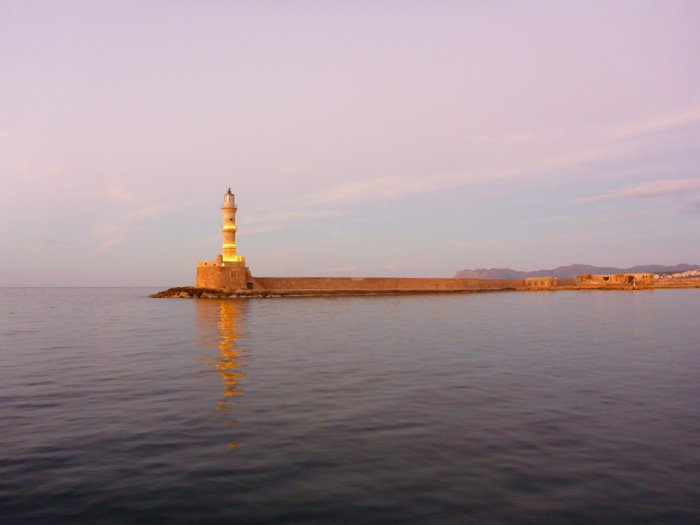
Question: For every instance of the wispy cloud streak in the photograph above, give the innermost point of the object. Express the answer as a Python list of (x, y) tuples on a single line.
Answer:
[(110, 233), (595, 149), (685, 193), (653, 189), (660, 123)]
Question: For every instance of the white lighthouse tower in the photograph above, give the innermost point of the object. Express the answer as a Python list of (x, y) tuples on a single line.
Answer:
[(228, 271), (228, 229)]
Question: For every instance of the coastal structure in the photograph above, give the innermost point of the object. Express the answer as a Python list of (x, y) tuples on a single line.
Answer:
[(540, 283), (687, 279), (228, 276), (228, 272), (615, 280)]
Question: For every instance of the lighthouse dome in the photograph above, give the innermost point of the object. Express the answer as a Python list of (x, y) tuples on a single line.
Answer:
[(229, 199)]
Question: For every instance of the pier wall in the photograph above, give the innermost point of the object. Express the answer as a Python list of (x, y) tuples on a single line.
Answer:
[(236, 278), (381, 284)]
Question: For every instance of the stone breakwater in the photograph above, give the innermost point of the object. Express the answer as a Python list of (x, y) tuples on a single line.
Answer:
[(340, 286), (349, 286)]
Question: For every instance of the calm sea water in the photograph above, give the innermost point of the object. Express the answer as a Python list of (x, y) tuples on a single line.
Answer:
[(567, 407)]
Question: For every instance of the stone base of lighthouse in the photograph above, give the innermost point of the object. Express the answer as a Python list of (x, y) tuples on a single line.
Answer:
[(227, 276)]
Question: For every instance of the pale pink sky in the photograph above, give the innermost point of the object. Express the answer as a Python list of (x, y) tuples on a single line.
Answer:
[(385, 138)]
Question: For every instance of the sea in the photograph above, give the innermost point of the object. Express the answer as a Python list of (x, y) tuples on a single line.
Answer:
[(503, 407)]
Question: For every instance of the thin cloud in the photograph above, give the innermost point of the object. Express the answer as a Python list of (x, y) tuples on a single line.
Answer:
[(685, 193), (387, 187), (268, 221), (117, 193), (109, 243), (652, 189), (111, 233), (689, 117)]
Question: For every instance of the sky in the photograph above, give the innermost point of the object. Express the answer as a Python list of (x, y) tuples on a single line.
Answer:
[(360, 138)]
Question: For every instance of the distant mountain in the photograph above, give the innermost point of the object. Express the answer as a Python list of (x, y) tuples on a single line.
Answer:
[(569, 272)]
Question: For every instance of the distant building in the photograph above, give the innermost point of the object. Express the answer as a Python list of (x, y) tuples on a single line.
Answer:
[(615, 280), (540, 283)]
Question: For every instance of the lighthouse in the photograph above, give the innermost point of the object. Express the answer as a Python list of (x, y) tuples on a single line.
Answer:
[(228, 229), (228, 271)]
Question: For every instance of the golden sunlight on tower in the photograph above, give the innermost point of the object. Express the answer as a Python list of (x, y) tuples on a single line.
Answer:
[(228, 229), (228, 271)]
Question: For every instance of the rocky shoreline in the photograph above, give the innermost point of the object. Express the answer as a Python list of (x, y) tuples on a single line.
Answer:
[(192, 292)]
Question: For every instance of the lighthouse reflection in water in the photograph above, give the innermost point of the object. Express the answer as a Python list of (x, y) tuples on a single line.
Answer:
[(217, 327)]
